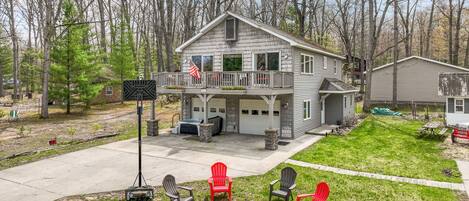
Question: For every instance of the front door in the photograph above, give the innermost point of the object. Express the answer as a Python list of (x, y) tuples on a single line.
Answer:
[(254, 116)]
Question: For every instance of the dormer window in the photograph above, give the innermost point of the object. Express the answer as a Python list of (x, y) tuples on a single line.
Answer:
[(231, 29)]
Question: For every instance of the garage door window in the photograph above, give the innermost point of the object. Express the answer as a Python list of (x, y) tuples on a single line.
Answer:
[(196, 109), (254, 112), (459, 105), (307, 109), (245, 112)]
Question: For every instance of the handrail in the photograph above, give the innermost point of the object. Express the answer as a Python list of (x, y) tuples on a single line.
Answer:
[(237, 79)]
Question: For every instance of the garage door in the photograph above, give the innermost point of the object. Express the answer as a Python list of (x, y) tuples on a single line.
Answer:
[(216, 107), (254, 116)]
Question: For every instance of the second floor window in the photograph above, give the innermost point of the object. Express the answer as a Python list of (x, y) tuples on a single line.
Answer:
[(232, 62), (204, 63), (307, 64), (267, 61)]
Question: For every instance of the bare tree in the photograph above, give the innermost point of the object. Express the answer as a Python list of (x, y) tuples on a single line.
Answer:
[(429, 30), (408, 19), (300, 9), (10, 13), (396, 53), (51, 16), (459, 11), (374, 32)]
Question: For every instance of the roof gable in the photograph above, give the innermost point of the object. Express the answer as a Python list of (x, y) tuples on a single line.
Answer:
[(334, 85), (294, 41), (423, 59)]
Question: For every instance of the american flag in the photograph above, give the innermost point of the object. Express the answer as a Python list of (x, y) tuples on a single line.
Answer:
[(194, 70)]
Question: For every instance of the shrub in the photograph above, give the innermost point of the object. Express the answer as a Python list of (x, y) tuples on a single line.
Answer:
[(71, 131), (2, 114)]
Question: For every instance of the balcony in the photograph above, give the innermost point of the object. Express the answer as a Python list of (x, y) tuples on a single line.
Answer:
[(247, 82)]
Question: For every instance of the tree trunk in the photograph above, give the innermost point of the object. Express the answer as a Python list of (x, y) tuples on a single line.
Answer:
[(466, 57), (300, 16), (15, 45), (102, 28), (396, 55), (362, 48), (273, 20), (429, 30), (450, 32), (457, 32)]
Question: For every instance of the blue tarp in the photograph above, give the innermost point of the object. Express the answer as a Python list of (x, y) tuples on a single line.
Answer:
[(384, 111)]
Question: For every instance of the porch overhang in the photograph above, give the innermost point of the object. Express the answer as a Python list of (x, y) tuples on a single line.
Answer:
[(336, 86)]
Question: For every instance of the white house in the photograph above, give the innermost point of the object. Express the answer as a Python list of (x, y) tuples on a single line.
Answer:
[(454, 86)]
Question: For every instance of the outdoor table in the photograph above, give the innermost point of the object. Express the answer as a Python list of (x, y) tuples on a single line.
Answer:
[(431, 126)]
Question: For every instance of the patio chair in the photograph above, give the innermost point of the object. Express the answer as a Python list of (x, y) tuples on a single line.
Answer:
[(321, 194), (171, 189), (287, 184), (218, 181)]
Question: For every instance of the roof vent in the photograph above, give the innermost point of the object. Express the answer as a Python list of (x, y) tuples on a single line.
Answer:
[(231, 29)]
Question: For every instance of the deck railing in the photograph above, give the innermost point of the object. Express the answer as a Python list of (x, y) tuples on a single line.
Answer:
[(235, 79)]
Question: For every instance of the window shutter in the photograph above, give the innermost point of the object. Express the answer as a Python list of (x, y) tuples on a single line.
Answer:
[(450, 105), (466, 106)]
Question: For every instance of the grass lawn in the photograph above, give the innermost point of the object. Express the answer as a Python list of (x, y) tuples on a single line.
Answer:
[(342, 187), (384, 145)]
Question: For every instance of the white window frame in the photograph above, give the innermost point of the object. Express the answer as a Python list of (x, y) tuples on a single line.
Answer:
[(106, 90), (456, 105), (253, 56), (336, 64), (325, 62), (308, 116), (311, 64), (202, 61)]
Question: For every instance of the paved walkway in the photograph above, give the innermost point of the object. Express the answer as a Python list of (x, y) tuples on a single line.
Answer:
[(114, 166), (453, 186), (464, 169)]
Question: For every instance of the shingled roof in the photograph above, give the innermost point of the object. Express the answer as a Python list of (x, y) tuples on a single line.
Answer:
[(294, 41), (334, 85)]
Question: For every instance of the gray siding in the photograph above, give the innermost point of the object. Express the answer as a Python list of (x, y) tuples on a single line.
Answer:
[(307, 87), (250, 40), (417, 80)]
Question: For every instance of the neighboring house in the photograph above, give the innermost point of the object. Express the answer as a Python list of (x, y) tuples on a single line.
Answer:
[(454, 87), (417, 81), (256, 77), (111, 93)]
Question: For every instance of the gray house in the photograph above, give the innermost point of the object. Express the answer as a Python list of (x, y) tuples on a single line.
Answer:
[(257, 77), (454, 88), (417, 80)]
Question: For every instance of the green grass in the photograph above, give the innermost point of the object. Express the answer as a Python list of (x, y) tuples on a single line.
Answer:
[(384, 145), (342, 187), (66, 148)]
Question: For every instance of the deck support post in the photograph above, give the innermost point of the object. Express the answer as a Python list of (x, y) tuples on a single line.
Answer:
[(205, 131), (270, 100), (271, 134), (152, 124)]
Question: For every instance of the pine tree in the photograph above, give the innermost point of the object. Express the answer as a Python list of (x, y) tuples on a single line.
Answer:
[(74, 71), (122, 60)]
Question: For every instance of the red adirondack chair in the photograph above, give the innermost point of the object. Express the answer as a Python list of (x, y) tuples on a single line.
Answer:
[(218, 180), (321, 194)]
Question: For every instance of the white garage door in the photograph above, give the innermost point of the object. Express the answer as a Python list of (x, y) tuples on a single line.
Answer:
[(216, 107), (254, 116)]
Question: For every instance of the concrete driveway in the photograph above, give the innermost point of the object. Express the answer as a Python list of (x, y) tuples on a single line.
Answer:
[(114, 166)]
